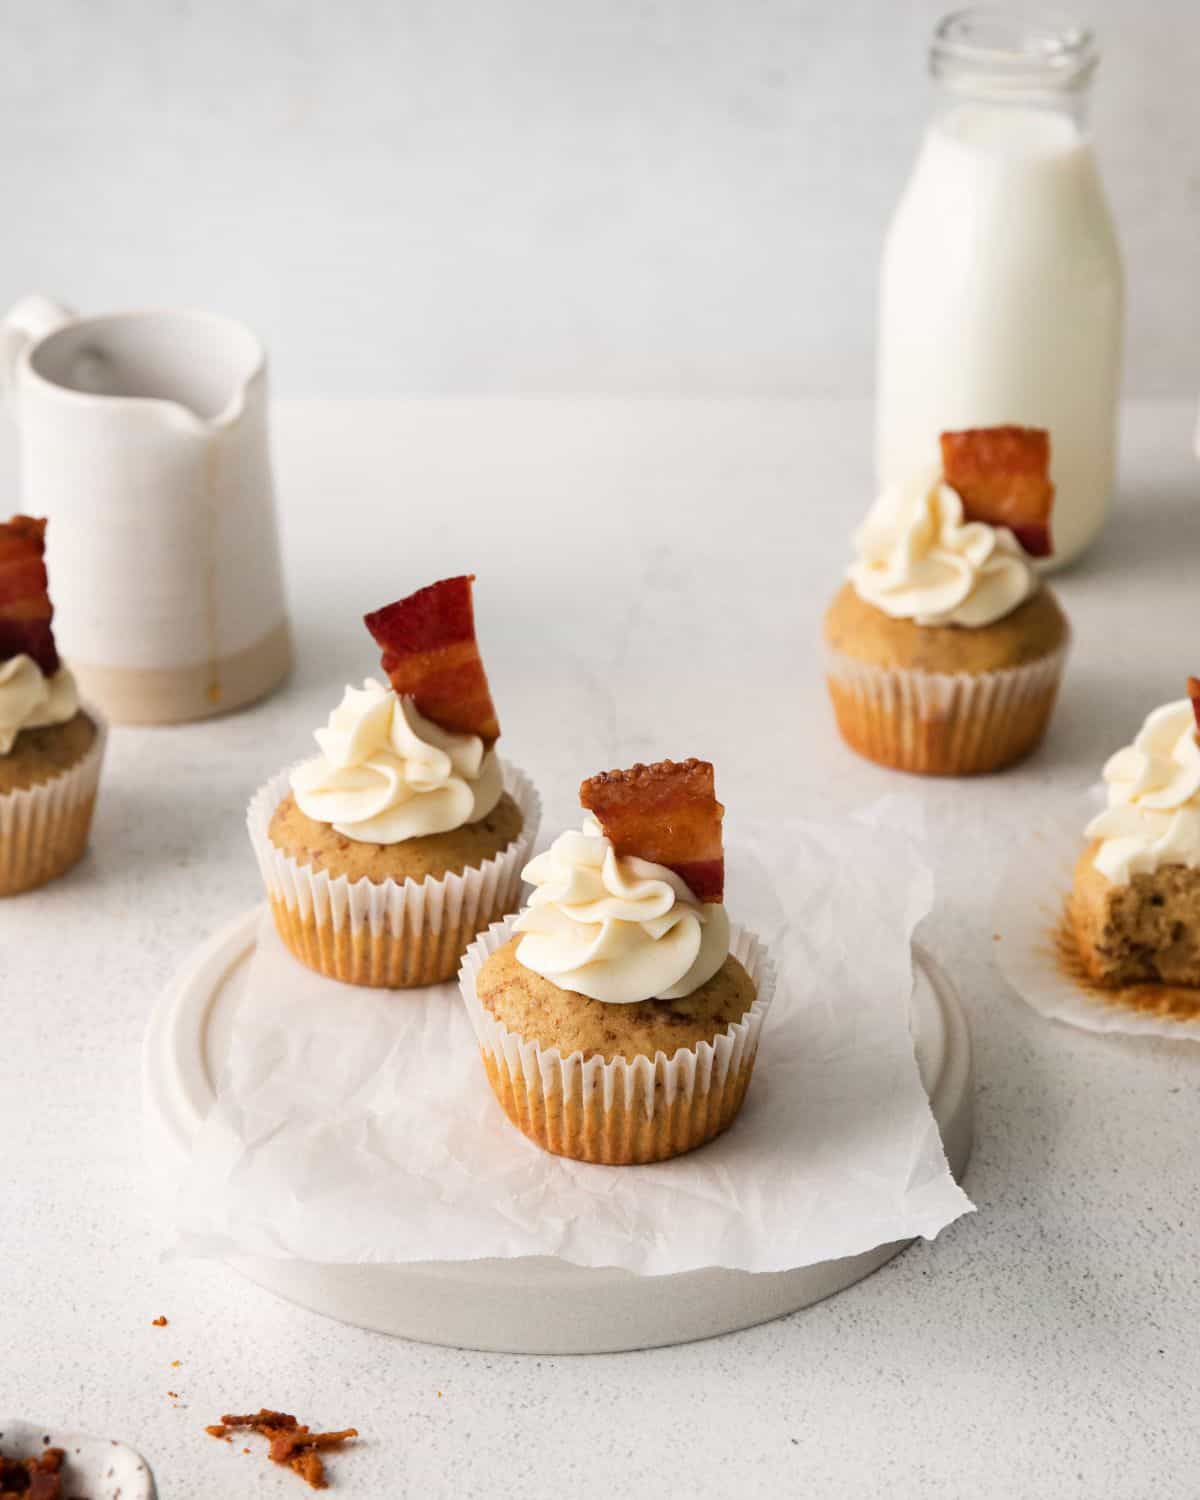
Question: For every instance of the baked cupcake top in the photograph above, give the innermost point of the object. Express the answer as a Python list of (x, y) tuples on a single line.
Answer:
[(1153, 787), (629, 908), (36, 690), (416, 757), (956, 546)]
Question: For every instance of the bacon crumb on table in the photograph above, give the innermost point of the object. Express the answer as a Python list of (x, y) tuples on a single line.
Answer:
[(292, 1444), (38, 1478), (159, 1322)]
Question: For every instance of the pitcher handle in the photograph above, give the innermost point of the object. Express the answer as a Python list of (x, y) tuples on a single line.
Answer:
[(27, 321)]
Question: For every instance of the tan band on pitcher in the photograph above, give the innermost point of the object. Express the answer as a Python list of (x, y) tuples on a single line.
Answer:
[(173, 695)]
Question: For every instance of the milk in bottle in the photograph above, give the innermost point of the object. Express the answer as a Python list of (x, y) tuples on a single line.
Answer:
[(1001, 292)]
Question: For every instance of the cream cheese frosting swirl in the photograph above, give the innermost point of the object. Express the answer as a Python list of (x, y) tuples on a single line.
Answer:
[(31, 700), (386, 773), (616, 928), (1153, 812), (919, 560)]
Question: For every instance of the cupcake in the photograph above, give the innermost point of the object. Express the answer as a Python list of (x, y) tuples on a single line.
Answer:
[(944, 650), (618, 1016), (1134, 906), (384, 855), (50, 747)]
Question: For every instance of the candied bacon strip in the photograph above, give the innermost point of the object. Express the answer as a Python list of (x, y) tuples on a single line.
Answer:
[(667, 813), (291, 1444), (430, 655), (1003, 476), (25, 608)]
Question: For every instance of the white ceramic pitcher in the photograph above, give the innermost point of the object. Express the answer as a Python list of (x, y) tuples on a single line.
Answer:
[(144, 441)]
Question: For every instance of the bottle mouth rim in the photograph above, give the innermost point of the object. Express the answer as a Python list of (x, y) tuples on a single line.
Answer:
[(1011, 51)]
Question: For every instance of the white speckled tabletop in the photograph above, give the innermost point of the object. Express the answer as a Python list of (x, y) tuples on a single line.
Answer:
[(651, 580)]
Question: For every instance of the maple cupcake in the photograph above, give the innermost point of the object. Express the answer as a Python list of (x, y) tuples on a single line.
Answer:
[(618, 1016), (1135, 902), (50, 747), (384, 855), (944, 648)]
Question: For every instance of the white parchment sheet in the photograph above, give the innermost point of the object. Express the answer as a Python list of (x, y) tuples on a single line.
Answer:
[(357, 1125)]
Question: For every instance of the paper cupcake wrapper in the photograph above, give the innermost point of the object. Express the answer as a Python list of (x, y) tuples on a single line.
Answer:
[(1036, 950), (943, 723), (44, 829), (622, 1112), (388, 934)]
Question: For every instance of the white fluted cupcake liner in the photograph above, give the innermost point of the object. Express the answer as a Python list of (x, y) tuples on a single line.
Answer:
[(389, 934), (44, 829), (943, 723), (622, 1112)]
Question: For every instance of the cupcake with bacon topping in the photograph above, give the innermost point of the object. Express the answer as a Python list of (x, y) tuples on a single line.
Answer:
[(385, 854), (618, 1015), (50, 747), (944, 648)]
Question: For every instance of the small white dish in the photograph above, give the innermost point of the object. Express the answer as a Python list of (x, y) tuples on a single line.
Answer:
[(100, 1468)]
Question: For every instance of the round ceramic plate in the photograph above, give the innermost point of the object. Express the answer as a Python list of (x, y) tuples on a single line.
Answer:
[(532, 1305)]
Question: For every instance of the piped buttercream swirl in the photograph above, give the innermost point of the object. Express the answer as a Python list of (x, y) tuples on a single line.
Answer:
[(616, 928), (31, 700), (1153, 812), (386, 773), (919, 560)]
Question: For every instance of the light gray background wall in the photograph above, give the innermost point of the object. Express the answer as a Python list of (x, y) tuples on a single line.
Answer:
[(538, 195)]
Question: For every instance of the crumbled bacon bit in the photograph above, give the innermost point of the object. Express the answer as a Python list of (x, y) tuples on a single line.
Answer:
[(38, 1478), (292, 1444), (159, 1322), (25, 608), (1003, 477), (431, 655), (1194, 694), (667, 813)]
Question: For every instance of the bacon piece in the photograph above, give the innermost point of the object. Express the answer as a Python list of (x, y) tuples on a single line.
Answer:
[(431, 656), (1194, 695), (1003, 476), (25, 608), (667, 813), (36, 1478), (292, 1444)]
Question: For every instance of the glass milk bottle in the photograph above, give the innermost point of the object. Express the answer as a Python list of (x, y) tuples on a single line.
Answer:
[(1001, 292)]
